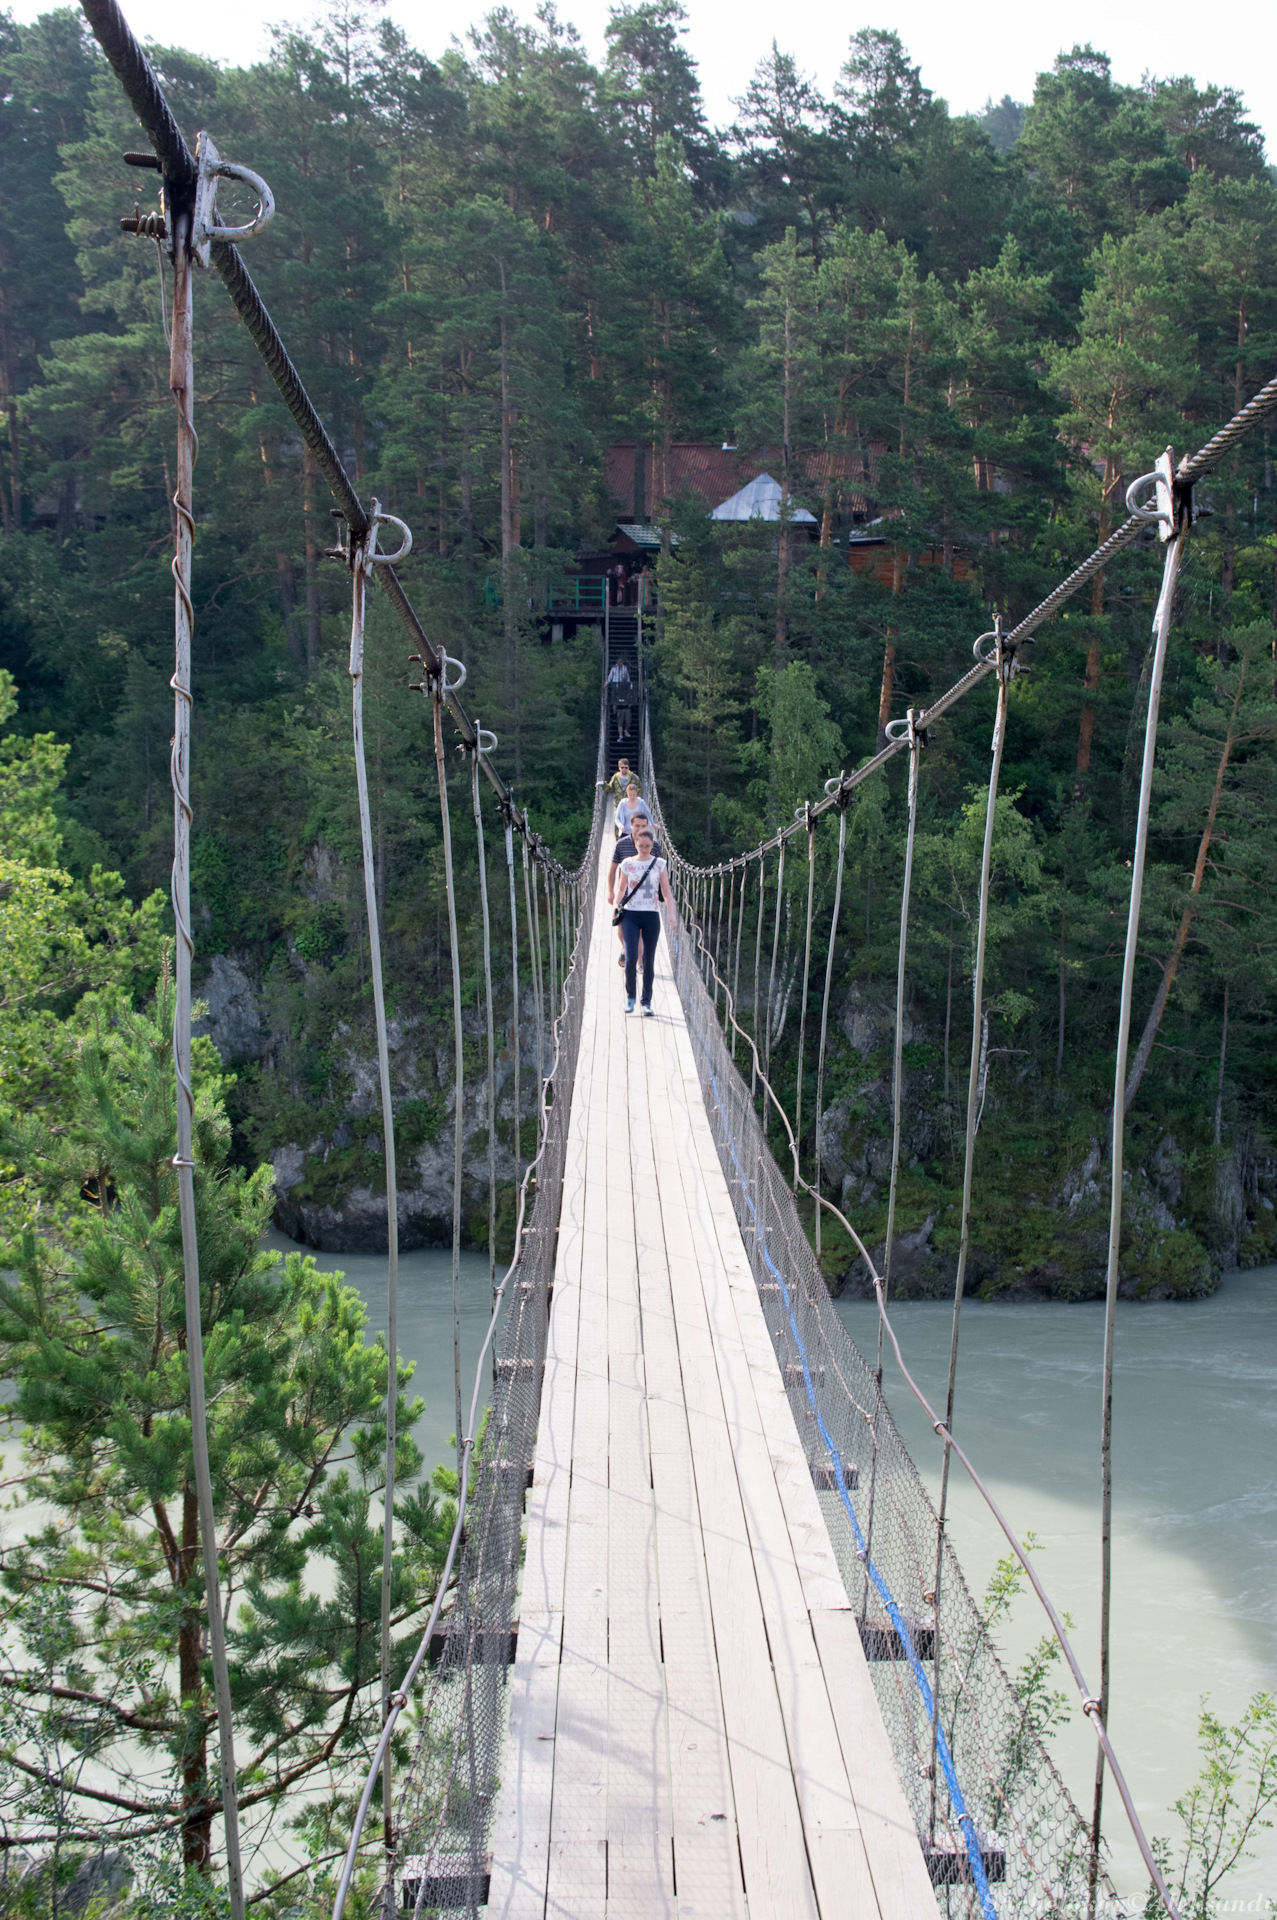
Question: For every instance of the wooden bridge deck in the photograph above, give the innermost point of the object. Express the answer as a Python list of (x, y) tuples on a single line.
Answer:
[(693, 1728)]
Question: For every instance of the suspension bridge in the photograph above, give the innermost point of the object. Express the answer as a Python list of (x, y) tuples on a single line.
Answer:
[(701, 1645)]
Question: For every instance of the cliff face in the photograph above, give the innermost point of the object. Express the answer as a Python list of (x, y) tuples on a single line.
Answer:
[(1041, 1196), (330, 1181), (1040, 1218)]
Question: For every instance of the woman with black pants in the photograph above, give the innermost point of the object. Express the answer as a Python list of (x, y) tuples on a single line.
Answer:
[(646, 883)]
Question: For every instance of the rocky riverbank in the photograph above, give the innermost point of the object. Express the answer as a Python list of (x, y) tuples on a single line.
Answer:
[(1040, 1222)]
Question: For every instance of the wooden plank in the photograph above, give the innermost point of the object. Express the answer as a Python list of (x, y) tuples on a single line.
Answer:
[(520, 1849), (521, 1839), (705, 1843), (695, 1734), (891, 1843), (835, 1850), (639, 1818), (769, 1823)]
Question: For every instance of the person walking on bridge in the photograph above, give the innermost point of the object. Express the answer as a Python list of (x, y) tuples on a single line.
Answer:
[(624, 849), (646, 884), (619, 696), (630, 806)]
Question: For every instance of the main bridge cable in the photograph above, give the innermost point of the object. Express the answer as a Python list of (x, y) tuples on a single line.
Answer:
[(1090, 1705), (181, 174), (1189, 472)]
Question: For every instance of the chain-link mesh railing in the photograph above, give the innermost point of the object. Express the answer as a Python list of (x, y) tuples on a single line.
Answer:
[(999, 1830), (447, 1794)]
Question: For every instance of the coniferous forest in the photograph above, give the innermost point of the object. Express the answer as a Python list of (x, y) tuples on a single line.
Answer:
[(504, 275)]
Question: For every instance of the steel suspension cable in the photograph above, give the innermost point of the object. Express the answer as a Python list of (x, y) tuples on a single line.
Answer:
[(718, 931), (802, 1012), (182, 384), (363, 557), (1177, 519), (459, 1065), (824, 1005), (771, 978), (740, 934), (897, 1062), (758, 949), (489, 1020), (534, 957), (1005, 667), (514, 987)]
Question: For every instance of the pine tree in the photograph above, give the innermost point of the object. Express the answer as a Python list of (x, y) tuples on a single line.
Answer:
[(93, 1332)]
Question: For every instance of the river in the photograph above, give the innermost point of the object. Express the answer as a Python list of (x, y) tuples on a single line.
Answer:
[(1195, 1494), (1194, 1508)]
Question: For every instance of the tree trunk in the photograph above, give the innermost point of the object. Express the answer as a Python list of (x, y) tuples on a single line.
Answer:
[(1086, 721), (886, 691), (786, 487), (1059, 1037), (1180, 941), (288, 602), (947, 1014), (314, 629), (196, 1824), (1219, 1084)]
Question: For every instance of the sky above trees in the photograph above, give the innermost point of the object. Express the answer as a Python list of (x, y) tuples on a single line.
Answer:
[(964, 60)]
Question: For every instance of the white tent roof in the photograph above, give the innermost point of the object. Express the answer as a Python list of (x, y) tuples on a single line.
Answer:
[(760, 500)]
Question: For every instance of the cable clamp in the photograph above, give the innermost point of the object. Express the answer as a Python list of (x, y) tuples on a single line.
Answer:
[(1164, 506), (179, 1160), (441, 680), (1091, 1705), (381, 518), (204, 223), (397, 1701)]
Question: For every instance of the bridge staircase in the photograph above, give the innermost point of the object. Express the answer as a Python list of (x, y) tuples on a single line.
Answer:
[(623, 631)]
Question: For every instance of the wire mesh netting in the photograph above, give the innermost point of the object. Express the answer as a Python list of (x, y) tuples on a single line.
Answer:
[(449, 1788), (998, 1828)]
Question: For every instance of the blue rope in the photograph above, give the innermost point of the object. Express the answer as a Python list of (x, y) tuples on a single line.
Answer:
[(956, 1797)]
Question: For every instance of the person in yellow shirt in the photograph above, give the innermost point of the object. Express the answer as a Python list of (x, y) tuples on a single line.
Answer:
[(621, 779)]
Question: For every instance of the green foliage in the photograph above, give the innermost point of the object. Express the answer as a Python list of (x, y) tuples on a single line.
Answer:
[(105, 1591), (1224, 1811)]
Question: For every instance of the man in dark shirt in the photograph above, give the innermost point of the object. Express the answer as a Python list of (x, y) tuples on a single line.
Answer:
[(623, 850)]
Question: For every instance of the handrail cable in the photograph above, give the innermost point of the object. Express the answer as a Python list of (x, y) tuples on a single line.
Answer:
[(1089, 1703), (435, 685), (362, 560)]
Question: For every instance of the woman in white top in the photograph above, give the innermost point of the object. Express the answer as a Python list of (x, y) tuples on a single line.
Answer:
[(646, 883)]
